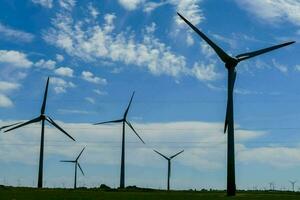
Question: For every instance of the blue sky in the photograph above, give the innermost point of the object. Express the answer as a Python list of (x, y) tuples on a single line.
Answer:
[(98, 52)]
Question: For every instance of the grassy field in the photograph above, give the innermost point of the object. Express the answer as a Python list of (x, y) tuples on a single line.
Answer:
[(89, 194)]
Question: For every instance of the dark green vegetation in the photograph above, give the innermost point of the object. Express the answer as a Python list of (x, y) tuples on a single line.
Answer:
[(133, 194)]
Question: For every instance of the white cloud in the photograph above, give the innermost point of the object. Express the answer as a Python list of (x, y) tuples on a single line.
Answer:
[(15, 59), (7, 87), (5, 101), (273, 11), (67, 4), (190, 9), (44, 3), (189, 40), (206, 50), (60, 85), (93, 11), (90, 100), (13, 34), (205, 72), (99, 92), (64, 71), (205, 144), (274, 156), (91, 42), (90, 77), (282, 68), (59, 58), (297, 68), (45, 64), (130, 4), (70, 111), (150, 6)]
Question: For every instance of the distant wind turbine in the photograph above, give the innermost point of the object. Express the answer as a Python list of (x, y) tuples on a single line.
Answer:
[(169, 164), (76, 163), (42, 118), (230, 64), (124, 121), (293, 185)]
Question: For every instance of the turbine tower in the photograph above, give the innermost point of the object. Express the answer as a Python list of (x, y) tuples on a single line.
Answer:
[(124, 121), (76, 163), (42, 118), (293, 185), (169, 164), (230, 64)]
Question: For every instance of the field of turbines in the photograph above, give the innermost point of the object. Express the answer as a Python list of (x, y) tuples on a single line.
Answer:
[(122, 191)]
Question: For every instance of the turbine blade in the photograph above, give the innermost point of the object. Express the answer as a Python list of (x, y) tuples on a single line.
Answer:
[(161, 154), (24, 124), (80, 169), (176, 154), (129, 124), (109, 122), (70, 161), (220, 52), (58, 127), (7, 126), (80, 153), (45, 98), (248, 55), (127, 109)]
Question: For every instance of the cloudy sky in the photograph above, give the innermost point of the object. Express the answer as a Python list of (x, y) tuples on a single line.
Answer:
[(98, 52)]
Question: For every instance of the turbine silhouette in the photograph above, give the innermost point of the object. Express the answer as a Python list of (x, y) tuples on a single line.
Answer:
[(42, 118), (124, 121), (76, 163), (293, 185), (169, 164), (230, 64)]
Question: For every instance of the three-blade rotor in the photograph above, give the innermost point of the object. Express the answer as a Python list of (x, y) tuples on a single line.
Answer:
[(124, 120), (231, 62), (40, 118), (76, 161), (166, 157)]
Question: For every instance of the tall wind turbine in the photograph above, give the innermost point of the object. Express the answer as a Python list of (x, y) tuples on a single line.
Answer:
[(42, 118), (124, 121), (169, 164), (230, 64), (76, 163), (293, 185)]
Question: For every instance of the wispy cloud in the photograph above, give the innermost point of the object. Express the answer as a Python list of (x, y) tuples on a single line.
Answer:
[(12, 34), (273, 11), (44, 3), (60, 85), (90, 77), (95, 41), (71, 111)]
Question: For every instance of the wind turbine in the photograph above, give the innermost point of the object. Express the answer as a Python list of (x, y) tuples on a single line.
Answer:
[(293, 185), (230, 64), (124, 121), (169, 163), (42, 118), (76, 163)]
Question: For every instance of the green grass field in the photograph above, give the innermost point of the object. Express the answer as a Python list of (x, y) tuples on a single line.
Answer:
[(9, 193)]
